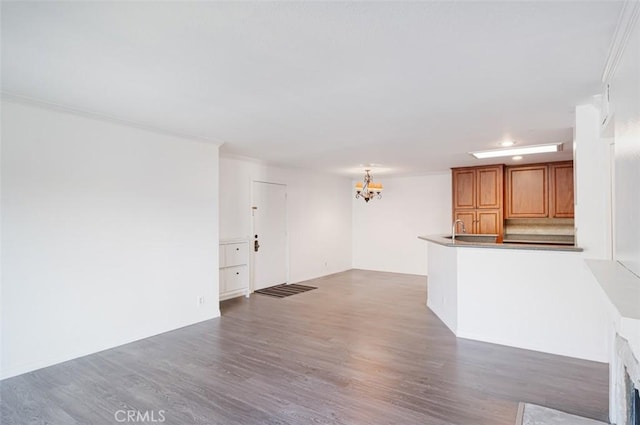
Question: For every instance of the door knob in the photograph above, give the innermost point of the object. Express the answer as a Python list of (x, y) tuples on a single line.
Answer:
[(256, 245)]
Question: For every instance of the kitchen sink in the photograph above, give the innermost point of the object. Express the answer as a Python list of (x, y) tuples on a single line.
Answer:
[(475, 238)]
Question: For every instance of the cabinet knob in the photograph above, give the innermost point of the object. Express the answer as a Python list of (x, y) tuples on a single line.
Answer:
[(237, 249), (237, 272)]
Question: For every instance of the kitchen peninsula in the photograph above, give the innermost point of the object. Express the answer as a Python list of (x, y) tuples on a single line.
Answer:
[(513, 275), (520, 295)]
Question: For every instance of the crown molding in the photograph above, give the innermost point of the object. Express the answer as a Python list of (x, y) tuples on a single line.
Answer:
[(626, 23), (237, 157), (105, 118)]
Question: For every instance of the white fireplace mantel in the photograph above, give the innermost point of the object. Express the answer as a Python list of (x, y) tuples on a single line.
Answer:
[(622, 289)]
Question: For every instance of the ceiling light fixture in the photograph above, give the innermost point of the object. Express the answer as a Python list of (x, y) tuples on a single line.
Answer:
[(368, 190), (524, 150), (507, 143)]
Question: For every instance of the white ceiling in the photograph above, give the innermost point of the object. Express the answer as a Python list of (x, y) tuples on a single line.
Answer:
[(410, 85)]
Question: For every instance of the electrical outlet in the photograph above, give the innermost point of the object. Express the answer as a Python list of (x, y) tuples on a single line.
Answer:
[(200, 300)]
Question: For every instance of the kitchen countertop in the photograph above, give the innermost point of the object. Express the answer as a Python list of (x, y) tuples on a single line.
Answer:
[(442, 240)]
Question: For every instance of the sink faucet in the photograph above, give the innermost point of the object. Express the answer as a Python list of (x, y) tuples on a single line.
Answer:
[(453, 229)]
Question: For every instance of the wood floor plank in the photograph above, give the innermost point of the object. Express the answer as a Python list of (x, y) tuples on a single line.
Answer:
[(360, 349)]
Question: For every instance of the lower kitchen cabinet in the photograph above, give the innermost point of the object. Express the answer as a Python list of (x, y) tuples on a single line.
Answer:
[(480, 221), (489, 222), (468, 218)]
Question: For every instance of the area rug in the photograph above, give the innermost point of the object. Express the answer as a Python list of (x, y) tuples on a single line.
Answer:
[(284, 290), (531, 414)]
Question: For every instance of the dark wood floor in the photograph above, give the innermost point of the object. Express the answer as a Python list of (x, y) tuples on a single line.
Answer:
[(361, 349)]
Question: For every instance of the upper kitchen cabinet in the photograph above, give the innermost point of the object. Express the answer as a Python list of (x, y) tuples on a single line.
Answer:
[(527, 191), (489, 187), (477, 198), (539, 191), (561, 189), (464, 192), (477, 187)]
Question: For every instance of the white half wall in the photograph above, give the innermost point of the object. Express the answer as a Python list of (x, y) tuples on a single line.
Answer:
[(442, 284), (538, 300), (109, 235), (385, 231), (318, 214)]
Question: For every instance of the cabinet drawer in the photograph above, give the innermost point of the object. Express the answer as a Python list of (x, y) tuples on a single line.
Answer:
[(235, 254), (236, 278)]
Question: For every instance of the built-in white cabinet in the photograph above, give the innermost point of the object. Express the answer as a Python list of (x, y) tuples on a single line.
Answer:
[(234, 269)]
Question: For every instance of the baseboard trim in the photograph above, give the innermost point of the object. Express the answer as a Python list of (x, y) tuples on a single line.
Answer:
[(520, 414), (21, 369), (541, 348)]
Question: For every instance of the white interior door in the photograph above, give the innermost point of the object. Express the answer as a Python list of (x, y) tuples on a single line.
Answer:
[(270, 230)]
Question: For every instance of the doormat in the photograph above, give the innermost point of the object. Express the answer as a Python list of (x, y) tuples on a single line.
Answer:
[(284, 290), (531, 414)]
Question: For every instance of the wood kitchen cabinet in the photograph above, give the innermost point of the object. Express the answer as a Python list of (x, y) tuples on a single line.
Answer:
[(539, 191), (480, 221), (561, 190), (489, 187), (527, 191), (477, 198), (464, 189), (467, 217), (477, 187)]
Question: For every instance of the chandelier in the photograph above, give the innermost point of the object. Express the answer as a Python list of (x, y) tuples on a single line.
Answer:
[(369, 189)]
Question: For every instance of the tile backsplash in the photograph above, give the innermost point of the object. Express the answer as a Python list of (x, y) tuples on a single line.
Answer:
[(540, 226)]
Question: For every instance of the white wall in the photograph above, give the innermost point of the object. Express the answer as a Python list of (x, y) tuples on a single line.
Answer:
[(593, 185), (318, 214), (625, 104), (109, 235), (385, 231), (235, 178)]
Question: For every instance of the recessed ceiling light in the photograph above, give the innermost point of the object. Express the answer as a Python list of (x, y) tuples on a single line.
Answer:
[(524, 150), (507, 143), (517, 158)]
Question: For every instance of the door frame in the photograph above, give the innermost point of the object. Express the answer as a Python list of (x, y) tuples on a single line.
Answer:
[(252, 277)]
